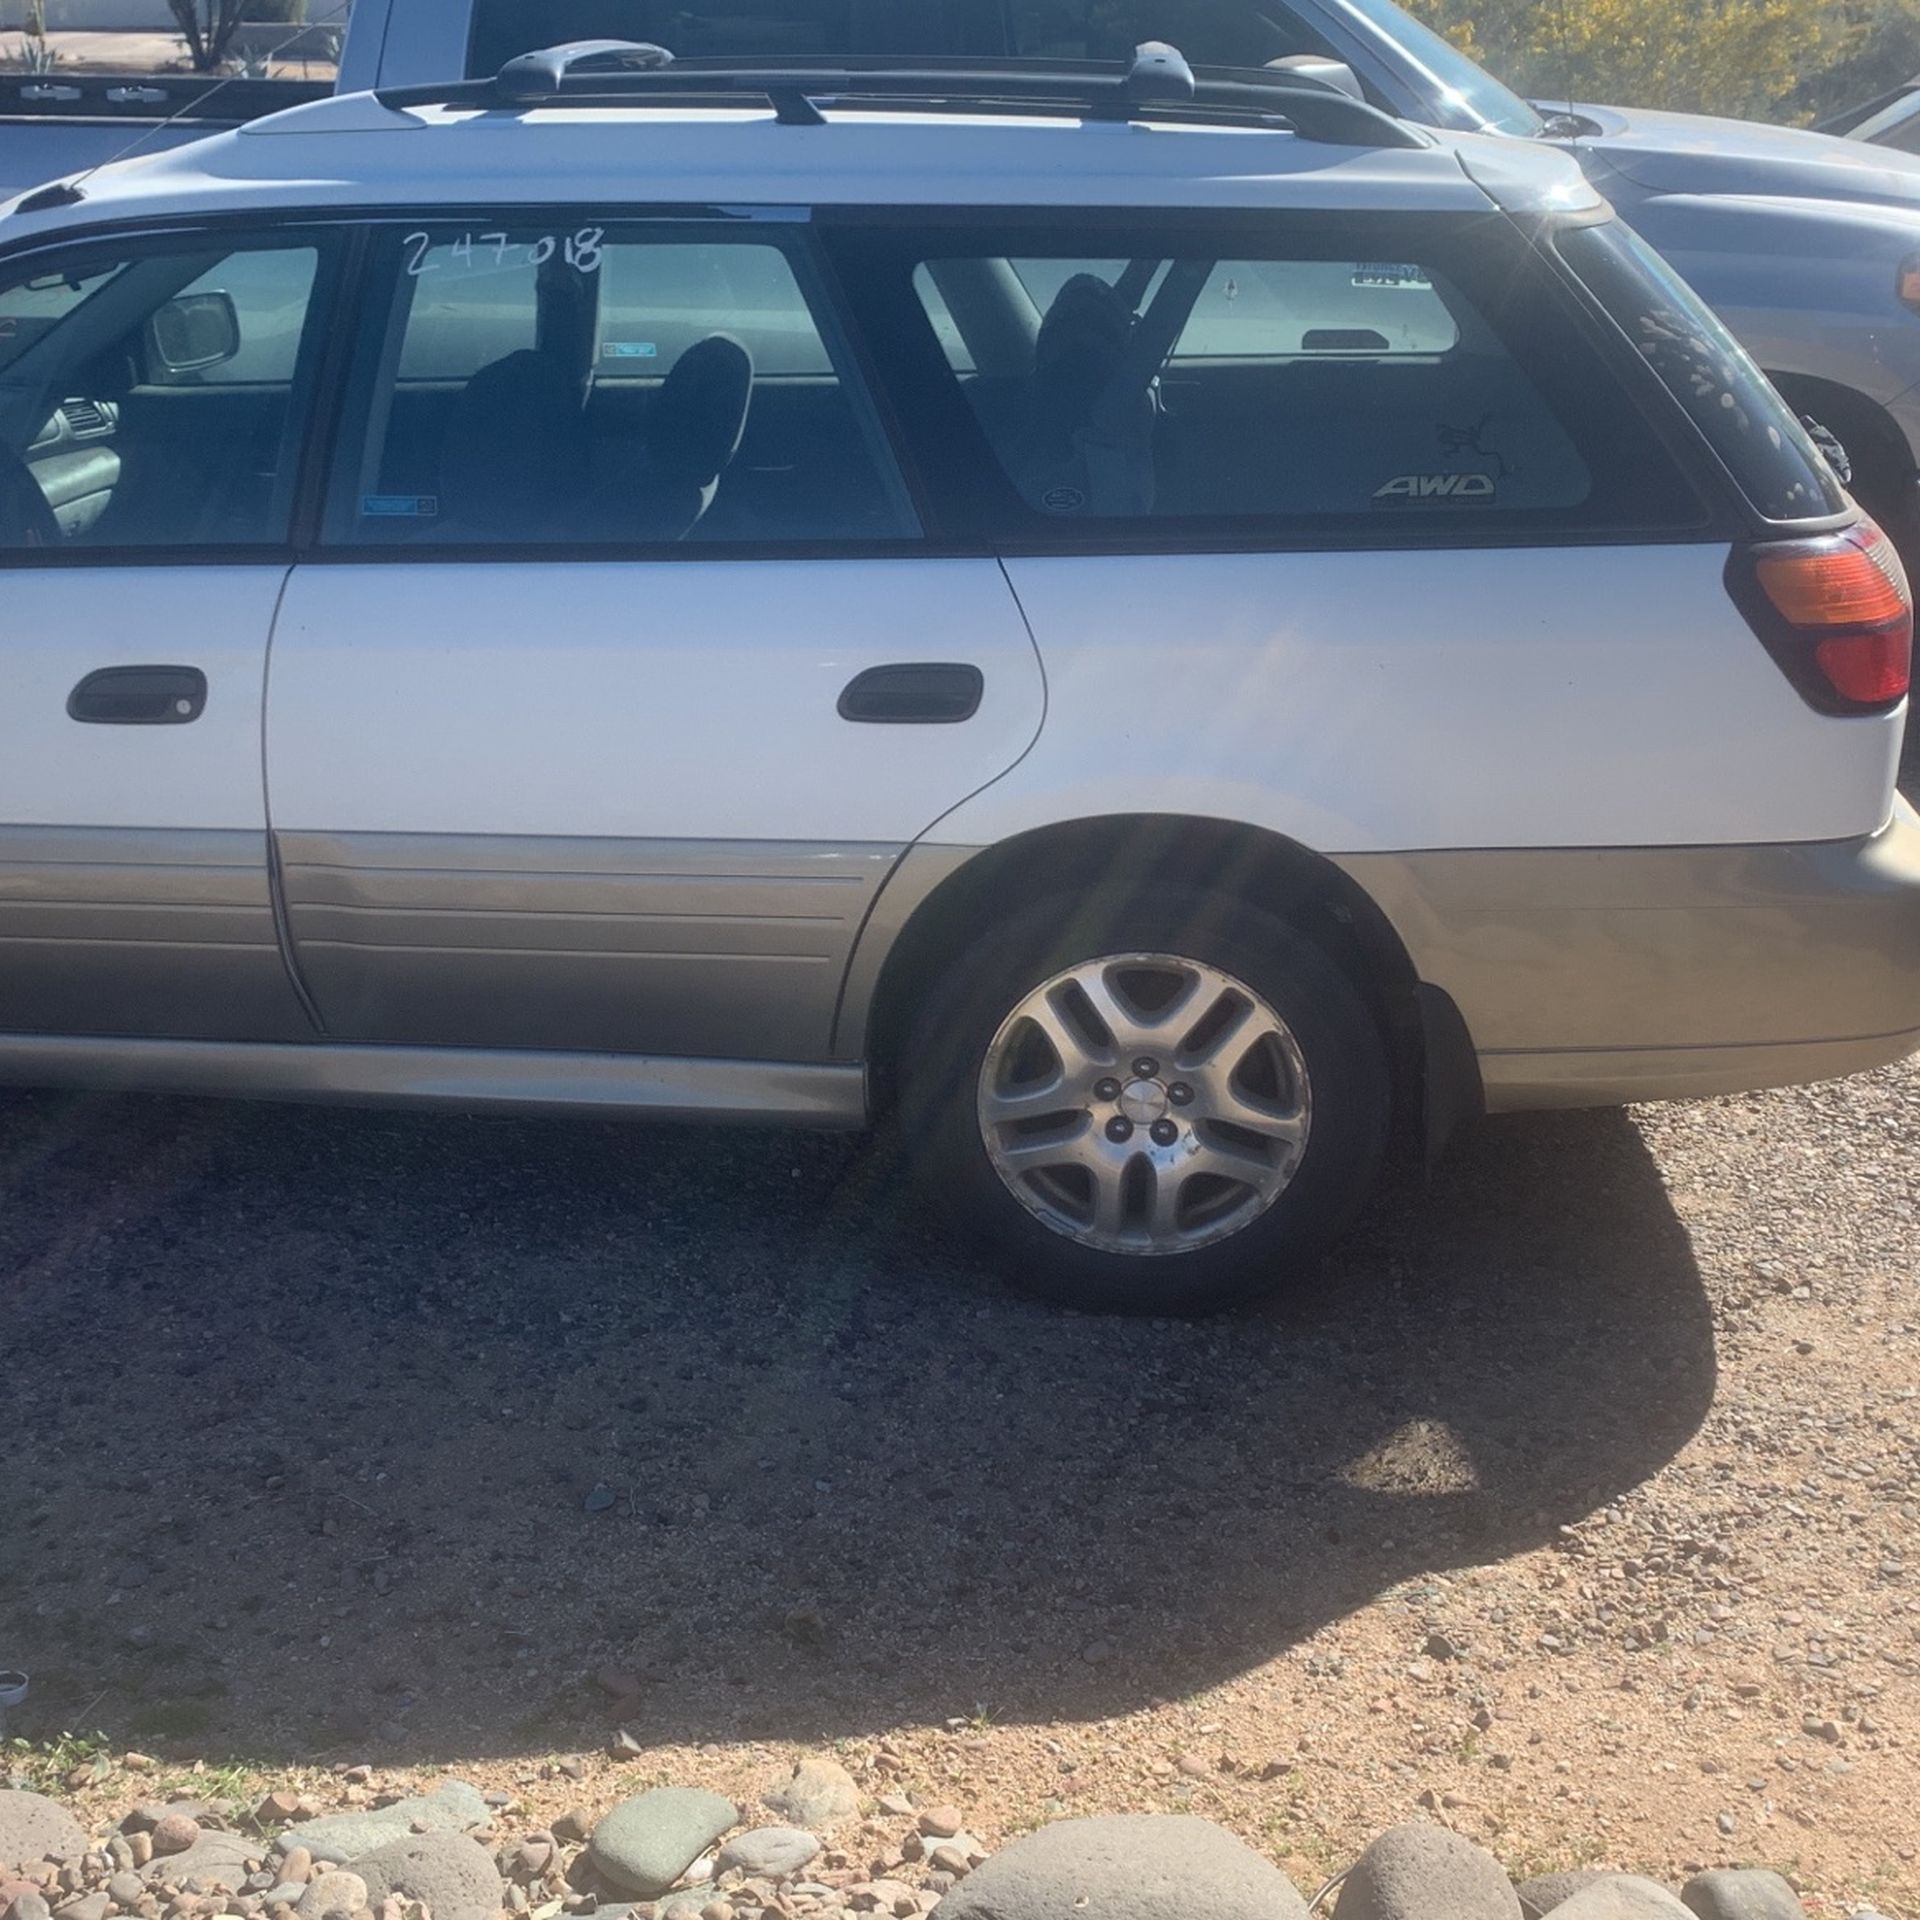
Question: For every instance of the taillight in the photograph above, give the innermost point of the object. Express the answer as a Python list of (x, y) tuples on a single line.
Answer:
[(1835, 612)]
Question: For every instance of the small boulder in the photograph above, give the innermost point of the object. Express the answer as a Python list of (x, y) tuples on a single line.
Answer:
[(1130, 1866), (1746, 1894), (769, 1853), (453, 1877), (1421, 1872), (451, 1807), (219, 1859), (174, 1833), (646, 1843), (331, 1894), (34, 1828), (1545, 1891), (88, 1906), (819, 1793), (1621, 1896)]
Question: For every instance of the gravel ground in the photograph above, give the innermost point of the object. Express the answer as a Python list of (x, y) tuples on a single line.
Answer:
[(1573, 1505)]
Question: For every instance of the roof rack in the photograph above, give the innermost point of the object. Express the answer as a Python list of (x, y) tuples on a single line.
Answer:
[(1158, 84)]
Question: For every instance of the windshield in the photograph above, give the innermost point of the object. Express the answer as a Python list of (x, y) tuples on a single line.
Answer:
[(1459, 83)]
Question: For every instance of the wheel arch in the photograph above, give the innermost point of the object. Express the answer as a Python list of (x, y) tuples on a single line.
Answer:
[(1435, 1075)]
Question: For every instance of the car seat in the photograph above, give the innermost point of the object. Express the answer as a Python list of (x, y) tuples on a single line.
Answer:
[(1076, 436), (26, 518), (514, 460), (693, 430)]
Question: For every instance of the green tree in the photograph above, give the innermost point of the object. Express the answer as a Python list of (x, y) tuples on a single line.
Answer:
[(1753, 59)]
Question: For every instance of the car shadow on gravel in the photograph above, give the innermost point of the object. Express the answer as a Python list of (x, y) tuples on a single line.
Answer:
[(378, 1434)]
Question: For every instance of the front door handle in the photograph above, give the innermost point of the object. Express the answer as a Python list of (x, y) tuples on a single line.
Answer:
[(139, 697), (919, 693)]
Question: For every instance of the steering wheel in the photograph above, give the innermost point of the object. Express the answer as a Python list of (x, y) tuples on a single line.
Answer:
[(26, 520)]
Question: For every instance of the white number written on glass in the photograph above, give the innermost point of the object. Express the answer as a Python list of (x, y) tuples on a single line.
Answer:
[(583, 251)]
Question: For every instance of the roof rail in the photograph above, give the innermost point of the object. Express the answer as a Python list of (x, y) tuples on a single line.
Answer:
[(1158, 84)]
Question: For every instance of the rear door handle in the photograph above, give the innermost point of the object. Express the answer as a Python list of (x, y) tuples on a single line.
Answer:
[(916, 693), (139, 697)]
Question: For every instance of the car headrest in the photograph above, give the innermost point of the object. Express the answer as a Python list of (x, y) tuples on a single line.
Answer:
[(697, 417), (516, 445), (1086, 327)]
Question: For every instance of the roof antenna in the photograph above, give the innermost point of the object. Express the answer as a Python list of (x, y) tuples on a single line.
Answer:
[(1570, 123), (63, 193)]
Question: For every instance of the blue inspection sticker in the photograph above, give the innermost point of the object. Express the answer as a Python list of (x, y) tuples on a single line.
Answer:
[(629, 350), (399, 506)]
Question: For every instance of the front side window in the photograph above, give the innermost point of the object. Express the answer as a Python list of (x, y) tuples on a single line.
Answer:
[(1317, 387), (567, 382), (155, 396)]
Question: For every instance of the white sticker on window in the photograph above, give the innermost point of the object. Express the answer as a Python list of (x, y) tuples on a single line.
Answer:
[(1387, 273), (628, 350), (399, 506)]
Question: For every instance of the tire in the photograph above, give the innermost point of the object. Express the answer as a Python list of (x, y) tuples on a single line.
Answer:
[(1166, 1235)]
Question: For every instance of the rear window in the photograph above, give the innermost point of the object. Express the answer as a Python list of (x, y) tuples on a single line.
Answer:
[(1400, 386), (1706, 369)]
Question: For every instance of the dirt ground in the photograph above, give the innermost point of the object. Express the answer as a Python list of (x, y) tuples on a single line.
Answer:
[(1575, 1502)]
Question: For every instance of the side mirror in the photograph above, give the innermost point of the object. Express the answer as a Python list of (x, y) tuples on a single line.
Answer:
[(192, 333), (1335, 75)]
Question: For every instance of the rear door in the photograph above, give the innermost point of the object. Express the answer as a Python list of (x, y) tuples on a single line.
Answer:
[(626, 672), (154, 393)]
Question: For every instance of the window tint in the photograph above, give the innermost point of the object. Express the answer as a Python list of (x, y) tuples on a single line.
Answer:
[(656, 301), (156, 396), (606, 384), (1707, 370), (1182, 387), (1268, 309), (468, 308)]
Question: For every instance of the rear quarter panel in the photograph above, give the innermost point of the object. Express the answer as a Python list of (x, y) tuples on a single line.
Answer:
[(1394, 701)]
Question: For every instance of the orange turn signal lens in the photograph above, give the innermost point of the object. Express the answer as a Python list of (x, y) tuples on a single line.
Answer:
[(1856, 581), (1908, 283)]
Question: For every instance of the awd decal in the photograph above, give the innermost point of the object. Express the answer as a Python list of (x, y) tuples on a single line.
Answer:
[(1437, 486)]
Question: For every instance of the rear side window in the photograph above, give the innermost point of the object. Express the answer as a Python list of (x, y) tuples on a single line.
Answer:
[(573, 383), (1325, 385), (1706, 369)]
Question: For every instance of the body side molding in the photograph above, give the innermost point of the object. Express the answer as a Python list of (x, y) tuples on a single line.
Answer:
[(471, 1079)]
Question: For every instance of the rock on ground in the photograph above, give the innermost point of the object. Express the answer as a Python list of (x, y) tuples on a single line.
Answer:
[(1622, 1896), (34, 1828), (452, 1876), (1128, 1866), (217, 1858), (768, 1853), (332, 1893), (1545, 1891), (451, 1807), (1420, 1872), (819, 1793), (645, 1844), (1746, 1894)]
